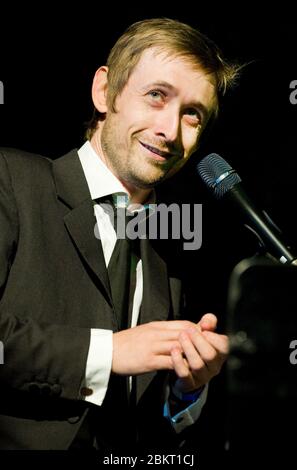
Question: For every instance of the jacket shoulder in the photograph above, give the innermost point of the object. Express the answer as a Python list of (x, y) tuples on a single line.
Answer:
[(19, 158), (24, 171)]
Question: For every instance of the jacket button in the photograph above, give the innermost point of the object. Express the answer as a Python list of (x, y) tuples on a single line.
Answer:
[(73, 419), (178, 420), (86, 392)]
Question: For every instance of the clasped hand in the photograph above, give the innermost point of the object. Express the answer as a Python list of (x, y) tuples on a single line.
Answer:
[(195, 352)]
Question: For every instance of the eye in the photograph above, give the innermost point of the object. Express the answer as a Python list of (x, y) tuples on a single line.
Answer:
[(193, 113), (156, 96), (193, 117)]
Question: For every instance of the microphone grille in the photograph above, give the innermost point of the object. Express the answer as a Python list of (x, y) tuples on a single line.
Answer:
[(217, 174)]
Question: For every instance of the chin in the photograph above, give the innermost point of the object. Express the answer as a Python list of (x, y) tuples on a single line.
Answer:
[(147, 182)]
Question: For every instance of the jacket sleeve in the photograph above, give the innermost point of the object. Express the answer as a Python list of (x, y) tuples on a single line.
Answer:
[(46, 359)]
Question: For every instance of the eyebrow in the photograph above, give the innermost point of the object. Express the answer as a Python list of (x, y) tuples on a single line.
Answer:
[(160, 83), (196, 104)]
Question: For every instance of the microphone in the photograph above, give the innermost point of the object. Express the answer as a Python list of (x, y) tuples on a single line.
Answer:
[(225, 184)]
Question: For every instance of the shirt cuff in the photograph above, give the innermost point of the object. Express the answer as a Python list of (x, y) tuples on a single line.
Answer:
[(189, 415), (98, 366)]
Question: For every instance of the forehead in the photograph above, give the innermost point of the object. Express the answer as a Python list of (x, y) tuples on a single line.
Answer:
[(187, 78)]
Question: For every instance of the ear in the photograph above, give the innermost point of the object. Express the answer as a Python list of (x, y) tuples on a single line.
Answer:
[(99, 89)]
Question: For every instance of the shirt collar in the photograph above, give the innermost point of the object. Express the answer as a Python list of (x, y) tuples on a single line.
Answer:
[(101, 181)]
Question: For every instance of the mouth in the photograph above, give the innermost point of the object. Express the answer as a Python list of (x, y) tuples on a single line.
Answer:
[(157, 154)]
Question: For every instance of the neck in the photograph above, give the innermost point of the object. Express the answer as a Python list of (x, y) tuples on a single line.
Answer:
[(137, 195)]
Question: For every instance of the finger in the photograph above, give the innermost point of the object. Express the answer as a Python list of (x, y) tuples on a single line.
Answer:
[(208, 354), (190, 379), (161, 362), (191, 352), (162, 336), (172, 325), (219, 342), (180, 366), (165, 347), (167, 330), (208, 322)]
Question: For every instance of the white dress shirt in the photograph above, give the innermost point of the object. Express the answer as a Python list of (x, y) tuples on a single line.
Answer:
[(102, 182)]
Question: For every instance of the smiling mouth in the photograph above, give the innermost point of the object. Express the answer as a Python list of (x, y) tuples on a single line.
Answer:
[(160, 153)]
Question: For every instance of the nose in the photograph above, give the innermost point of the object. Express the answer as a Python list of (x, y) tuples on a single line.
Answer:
[(168, 125)]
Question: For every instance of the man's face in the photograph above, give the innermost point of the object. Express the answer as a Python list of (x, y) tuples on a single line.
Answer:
[(160, 115)]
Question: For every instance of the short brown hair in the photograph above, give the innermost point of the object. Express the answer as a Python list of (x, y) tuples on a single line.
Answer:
[(172, 36)]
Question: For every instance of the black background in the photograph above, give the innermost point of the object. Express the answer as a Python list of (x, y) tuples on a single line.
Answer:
[(47, 62)]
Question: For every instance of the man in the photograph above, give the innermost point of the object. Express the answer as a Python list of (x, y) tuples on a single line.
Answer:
[(76, 375)]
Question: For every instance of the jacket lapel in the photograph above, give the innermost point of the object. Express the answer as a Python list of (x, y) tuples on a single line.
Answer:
[(155, 304), (79, 216)]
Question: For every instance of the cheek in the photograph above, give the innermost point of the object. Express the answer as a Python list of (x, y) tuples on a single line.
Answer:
[(190, 141), (131, 123), (119, 130), (137, 117)]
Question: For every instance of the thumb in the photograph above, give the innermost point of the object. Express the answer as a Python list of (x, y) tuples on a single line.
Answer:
[(208, 322)]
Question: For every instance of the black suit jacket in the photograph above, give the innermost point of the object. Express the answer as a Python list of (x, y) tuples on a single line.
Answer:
[(54, 288)]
